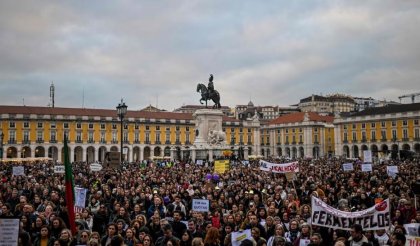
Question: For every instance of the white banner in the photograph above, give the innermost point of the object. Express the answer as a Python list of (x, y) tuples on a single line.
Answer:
[(199, 162), (200, 205), (412, 229), (59, 169), (367, 156), (373, 218), (291, 167), (366, 167), (239, 236), (348, 167), (80, 196), (19, 171), (8, 231)]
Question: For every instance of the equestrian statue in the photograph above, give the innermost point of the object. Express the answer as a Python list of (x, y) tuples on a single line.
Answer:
[(209, 93)]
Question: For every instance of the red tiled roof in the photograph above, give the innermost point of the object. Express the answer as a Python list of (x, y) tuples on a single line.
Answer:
[(27, 110), (298, 117)]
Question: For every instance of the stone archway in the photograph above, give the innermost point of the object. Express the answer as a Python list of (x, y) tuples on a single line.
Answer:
[(346, 151), (355, 151), (39, 151), (384, 149), (374, 149), (279, 151), (114, 148), (178, 153), (301, 152), (315, 152), (147, 153), (364, 147), (11, 152), (78, 154), (294, 152), (167, 151), (53, 153), (25, 152), (157, 151), (101, 153), (287, 151), (62, 153), (417, 148), (395, 151), (136, 154), (406, 147), (90, 154)]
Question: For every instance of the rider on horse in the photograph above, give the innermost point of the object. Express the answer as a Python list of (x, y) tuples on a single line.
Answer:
[(210, 87)]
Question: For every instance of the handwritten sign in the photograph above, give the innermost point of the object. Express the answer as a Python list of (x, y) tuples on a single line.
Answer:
[(200, 205), (366, 167), (348, 167), (59, 169), (19, 171), (239, 236), (8, 232), (367, 156)]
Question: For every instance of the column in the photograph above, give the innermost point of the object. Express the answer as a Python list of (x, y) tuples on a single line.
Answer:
[(18, 153), (193, 154), (84, 153), (32, 152), (173, 150), (71, 153), (245, 153), (59, 159), (141, 153), (338, 147), (210, 155)]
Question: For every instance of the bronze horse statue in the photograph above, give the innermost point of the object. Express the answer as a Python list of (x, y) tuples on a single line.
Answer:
[(214, 96)]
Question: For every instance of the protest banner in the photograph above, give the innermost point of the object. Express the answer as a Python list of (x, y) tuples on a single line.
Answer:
[(95, 167), (374, 218), (412, 229), (348, 167), (19, 171), (8, 231), (366, 167), (59, 169), (291, 167), (412, 241), (239, 236), (367, 156), (221, 166), (200, 205)]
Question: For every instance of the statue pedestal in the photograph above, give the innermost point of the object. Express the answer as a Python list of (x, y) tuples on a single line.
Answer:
[(209, 133)]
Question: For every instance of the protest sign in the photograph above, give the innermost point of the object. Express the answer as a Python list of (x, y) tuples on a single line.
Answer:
[(199, 162), (59, 169), (200, 205), (221, 166), (412, 241), (367, 156), (8, 231), (392, 171), (348, 167), (239, 236), (80, 196), (291, 167), (373, 218), (366, 167), (412, 229), (95, 167), (18, 171)]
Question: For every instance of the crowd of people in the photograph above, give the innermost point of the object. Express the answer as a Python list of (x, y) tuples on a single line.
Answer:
[(151, 204)]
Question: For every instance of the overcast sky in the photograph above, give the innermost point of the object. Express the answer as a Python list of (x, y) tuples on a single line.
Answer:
[(155, 52)]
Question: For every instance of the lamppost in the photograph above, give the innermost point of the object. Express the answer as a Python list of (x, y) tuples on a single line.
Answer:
[(1, 145), (121, 111)]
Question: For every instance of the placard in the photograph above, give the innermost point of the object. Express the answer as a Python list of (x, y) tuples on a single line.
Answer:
[(291, 167), (373, 218), (80, 196), (366, 167), (367, 156), (200, 205), (412, 229), (412, 241), (348, 167), (18, 171), (392, 171), (59, 169), (8, 232), (239, 236), (199, 162), (95, 167)]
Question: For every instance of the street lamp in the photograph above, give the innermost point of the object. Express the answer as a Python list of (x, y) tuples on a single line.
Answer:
[(121, 111), (1, 145)]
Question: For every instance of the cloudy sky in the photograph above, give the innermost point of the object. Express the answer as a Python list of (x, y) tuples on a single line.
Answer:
[(155, 52)]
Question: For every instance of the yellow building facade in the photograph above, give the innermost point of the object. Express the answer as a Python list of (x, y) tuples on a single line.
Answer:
[(390, 131), (298, 135), (39, 132)]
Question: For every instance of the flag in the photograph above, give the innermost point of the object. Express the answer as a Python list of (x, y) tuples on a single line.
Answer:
[(69, 187)]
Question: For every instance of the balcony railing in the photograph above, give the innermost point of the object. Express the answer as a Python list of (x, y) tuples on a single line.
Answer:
[(364, 140), (383, 140), (187, 142), (79, 141), (147, 142), (278, 143), (12, 141), (103, 141), (167, 142), (301, 142), (373, 140), (293, 142), (287, 143), (126, 142), (178, 142), (354, 141), (91, 141), (40, 141), (136, 141), (53, 141), (345, 141), (249, 143), (26, 142), (114, 141), (158, 142), (405, 139), (416, 138)]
